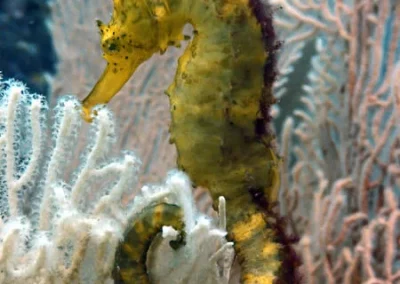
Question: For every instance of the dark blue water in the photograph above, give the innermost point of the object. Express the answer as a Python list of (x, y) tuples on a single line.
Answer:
[(26, 48)]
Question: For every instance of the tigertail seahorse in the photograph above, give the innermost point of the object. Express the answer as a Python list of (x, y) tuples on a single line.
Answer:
[(219, 100)]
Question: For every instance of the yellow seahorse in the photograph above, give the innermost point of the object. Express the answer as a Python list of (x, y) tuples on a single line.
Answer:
[(219, 102)]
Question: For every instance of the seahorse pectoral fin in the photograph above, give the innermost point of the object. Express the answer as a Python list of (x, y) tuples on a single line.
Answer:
[(109, 84)]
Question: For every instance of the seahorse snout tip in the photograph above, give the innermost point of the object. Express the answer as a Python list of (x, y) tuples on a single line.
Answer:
[(87, 114)]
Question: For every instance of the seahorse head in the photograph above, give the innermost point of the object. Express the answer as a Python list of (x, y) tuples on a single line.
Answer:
[(131, 36), (137, 30)]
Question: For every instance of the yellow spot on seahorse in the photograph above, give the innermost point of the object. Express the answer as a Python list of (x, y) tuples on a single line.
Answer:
[(270, 249), (258, 279), (160, 12), (158, 216), (141, 230), (131, 251), (243, 231), (127, 273)]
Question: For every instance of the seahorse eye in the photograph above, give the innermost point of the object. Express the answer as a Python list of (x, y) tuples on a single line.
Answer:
[(112, 47)]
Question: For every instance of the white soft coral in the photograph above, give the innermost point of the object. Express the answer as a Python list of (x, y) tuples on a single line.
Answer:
[(52, 228), (55, 229)]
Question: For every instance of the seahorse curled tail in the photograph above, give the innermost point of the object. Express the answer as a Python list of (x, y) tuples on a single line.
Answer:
[(130, 262)]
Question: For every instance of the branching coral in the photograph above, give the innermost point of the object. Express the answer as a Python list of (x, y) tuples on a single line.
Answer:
[(48, 230), (66, 230), (340, 192)]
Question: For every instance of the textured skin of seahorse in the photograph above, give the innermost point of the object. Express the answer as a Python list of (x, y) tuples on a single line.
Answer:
[(219, 102), (131, 254)]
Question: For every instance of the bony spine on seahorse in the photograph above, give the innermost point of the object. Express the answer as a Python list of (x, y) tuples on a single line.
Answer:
[(219, 101)]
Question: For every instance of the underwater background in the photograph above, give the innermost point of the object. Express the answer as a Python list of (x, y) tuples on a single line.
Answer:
[(336, 120), (27, 40)]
